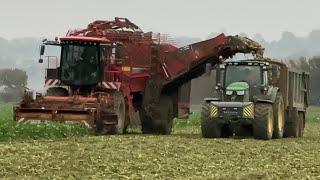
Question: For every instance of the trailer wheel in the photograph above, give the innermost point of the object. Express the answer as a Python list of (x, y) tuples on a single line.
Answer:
[(292, 127), (278, 111), (57, 91), (301, 123), (263, 121), (209, 126)]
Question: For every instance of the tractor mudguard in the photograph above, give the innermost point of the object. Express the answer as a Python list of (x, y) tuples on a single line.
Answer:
[(272, 92), (270, 97)]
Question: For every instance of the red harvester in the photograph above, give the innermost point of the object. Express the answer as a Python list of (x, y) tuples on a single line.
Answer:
[(112, 73)]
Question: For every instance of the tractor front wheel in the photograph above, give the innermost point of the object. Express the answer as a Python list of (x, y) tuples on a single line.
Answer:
[(263, 121), (209, 126)]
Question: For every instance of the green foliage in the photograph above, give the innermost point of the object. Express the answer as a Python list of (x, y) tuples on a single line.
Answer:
[(10, 130), (193, 119), (313, 114)]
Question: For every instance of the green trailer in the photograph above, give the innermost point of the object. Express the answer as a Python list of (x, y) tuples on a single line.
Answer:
[(259, 97)]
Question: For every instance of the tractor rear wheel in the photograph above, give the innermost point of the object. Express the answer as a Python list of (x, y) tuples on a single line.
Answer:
[(209, 126), (263, 121), (292, 127), (278, 113)]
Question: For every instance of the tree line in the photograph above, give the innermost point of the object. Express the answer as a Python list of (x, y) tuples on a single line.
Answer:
[(12, 84)]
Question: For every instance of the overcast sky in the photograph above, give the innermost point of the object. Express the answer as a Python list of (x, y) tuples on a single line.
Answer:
[(194, 18)]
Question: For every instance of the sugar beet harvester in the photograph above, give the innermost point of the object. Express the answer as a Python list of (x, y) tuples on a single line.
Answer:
[(112, 73)]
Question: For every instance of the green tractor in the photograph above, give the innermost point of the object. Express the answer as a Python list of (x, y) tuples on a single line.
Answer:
[(255, 97)]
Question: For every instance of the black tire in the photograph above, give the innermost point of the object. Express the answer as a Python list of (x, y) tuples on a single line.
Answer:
[(209, 126), (301, 123), (57, 91), (120, 111), (162, 123), (263, 121), (292, 127), (278, 111), (118, 126), (166, 118), (146, 123)]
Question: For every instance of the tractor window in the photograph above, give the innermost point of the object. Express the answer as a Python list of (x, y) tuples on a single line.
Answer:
[(250, 74)]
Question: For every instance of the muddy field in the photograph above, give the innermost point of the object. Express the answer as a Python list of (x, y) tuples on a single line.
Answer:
[(68, 151)]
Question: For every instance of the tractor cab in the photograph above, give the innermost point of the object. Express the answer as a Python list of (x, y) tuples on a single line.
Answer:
[(240, 81), (81, 60)]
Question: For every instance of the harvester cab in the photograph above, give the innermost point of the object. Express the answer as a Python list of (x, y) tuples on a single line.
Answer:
[(81, 64)]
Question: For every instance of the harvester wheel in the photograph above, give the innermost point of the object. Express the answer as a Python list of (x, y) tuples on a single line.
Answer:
[(57, 91), (166, 117), (107, 126), (209, 126), (162, 122), (292, 127), (278, 112), (146, 123), (263, 121), (120, 111)]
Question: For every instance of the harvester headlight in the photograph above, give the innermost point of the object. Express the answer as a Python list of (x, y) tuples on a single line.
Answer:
[(229, 93), (213, 111), (248, 111), (240, 93)]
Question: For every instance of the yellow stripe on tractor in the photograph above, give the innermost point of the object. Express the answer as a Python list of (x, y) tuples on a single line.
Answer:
[(214, 111), (248, 111)]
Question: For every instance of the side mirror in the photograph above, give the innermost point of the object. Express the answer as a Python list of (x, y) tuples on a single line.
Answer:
[(40, 61), (222, 66), (42, 49)]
